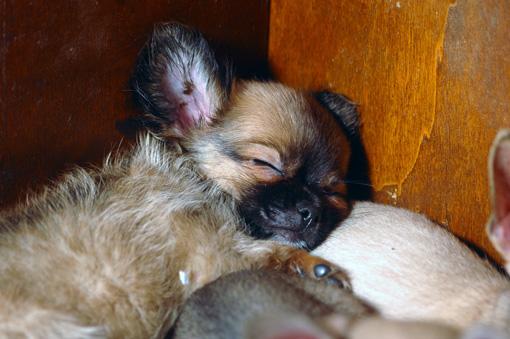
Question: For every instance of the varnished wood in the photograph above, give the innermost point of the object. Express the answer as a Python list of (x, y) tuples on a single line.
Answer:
[(432, 79), (65, 66)]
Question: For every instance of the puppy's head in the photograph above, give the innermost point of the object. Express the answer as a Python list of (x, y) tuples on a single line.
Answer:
[(283, 154)]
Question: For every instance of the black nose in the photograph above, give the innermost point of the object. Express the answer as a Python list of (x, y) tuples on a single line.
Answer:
[(296, 216), (309, 213)]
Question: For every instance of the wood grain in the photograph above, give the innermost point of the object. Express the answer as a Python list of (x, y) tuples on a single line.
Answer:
[(433, 82), (65, 65)]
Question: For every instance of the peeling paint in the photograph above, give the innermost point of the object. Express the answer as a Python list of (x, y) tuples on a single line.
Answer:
[(427, 130), (393, 194)]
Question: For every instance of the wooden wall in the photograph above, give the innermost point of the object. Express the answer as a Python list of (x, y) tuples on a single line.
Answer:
[(64, 70), (432, 79)]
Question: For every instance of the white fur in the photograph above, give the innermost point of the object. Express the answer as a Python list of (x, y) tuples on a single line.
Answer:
[(411, 268)]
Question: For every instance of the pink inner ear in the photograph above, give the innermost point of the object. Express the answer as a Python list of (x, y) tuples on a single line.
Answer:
[(501, 233), (188, 98), (501, 183)]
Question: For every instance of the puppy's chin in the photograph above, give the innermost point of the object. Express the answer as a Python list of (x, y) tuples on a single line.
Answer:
[(290, 240), (285, 237), (307, 239)]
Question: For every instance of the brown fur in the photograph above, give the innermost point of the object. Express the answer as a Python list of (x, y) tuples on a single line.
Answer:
[(268, 304), (224, 308), (102, 251), (115, 251), (282, 120)]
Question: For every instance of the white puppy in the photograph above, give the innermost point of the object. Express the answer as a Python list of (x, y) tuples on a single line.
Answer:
[(412, 268)]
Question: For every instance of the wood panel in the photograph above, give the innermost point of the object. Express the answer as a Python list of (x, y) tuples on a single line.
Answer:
[(65, 65), (432, 79)]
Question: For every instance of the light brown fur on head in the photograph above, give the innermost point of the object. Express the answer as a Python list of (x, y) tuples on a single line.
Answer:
[(271, 122), (114, 252), (282, 153)]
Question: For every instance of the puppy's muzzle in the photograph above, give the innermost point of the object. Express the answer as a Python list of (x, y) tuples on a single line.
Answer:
[(296, 218), (290, 209)]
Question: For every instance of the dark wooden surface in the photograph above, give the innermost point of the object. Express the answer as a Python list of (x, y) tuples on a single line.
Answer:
[(433, 82), (432, 79), (64, 71)]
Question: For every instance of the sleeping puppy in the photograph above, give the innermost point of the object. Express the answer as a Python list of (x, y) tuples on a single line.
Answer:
[(114, 252), (425, 282), (410, 268)]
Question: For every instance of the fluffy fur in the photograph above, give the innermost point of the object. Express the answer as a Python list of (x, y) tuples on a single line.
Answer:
[(284, 154), (114, 252), (101, 252)]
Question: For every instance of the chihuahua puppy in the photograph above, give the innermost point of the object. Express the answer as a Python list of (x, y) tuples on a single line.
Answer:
[(411, 268), (114, 252), (270, 305)]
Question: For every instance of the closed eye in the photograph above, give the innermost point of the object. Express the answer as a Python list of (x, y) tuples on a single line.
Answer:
[(334, 194), (259, 162)]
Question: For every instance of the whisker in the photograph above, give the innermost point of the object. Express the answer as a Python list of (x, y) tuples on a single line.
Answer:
[(350, 182)]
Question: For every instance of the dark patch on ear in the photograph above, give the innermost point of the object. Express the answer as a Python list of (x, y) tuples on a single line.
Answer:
[(178, 81), (344, 110), (346, 113)]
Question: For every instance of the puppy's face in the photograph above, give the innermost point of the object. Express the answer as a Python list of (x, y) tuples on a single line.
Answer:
[(283, 154)]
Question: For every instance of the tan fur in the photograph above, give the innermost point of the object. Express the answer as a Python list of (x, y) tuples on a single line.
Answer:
[(275, 117), (114, 252), (101, 252)]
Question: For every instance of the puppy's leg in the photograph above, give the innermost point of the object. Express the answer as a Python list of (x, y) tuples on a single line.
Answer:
[(297, 261)]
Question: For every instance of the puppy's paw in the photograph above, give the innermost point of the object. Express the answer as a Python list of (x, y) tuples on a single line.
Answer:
[(306, 265)]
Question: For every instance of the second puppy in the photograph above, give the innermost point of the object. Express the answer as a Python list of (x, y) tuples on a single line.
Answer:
[(270, 305), (411, 268)]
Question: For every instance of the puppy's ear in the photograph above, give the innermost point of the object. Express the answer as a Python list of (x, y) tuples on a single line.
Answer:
[(346, 113), (499, 182), (178, 81), (344, 110)]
